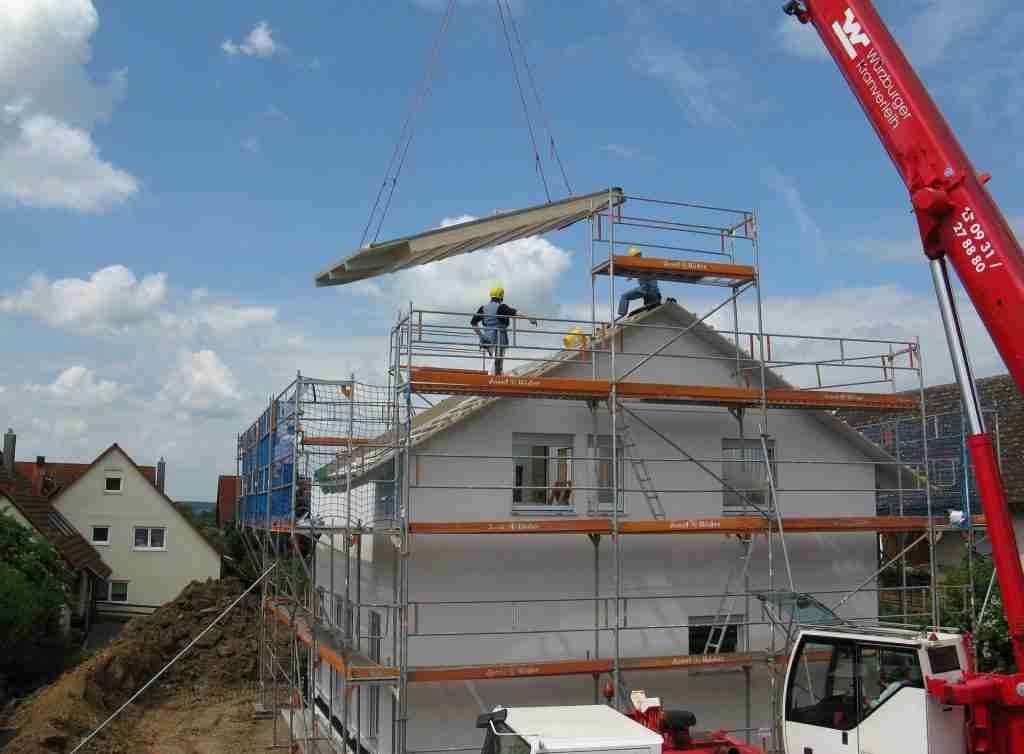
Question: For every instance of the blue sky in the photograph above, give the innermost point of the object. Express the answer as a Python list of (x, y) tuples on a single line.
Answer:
[(172, 176)]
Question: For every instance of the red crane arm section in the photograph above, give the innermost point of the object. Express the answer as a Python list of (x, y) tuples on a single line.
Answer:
[(957, 216)]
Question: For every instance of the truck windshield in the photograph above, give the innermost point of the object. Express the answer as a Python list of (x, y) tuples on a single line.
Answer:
[(507, 742)]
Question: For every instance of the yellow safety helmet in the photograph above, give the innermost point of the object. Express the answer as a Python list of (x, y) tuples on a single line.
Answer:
[(635, 252), (498, 292)]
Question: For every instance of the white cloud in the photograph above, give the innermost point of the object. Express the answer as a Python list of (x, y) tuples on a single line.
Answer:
[(937, 24), (887, 312), (52, 164), (260, 43), (111, 299), (709, 90), (528, 269), (200, 384), (800, 39), (220, 319), (810, 232), (78, 385), (49, 105), (61, 427), (622, 151)]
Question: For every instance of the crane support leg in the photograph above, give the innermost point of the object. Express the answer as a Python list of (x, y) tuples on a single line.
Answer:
[(986, 467)]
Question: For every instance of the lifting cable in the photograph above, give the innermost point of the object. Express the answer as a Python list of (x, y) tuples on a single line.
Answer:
[(536, 94), (401, 150), (522, 98)]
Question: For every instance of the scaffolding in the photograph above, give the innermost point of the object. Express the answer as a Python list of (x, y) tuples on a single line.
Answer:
[(333, 464)]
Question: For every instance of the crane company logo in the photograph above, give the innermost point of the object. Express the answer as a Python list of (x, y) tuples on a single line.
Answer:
[(850, 34)]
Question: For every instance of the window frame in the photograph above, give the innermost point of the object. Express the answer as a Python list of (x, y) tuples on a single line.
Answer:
[(560, 455), (702, 622), (109, 474), (107, 595), (100, 542), (603, 495), (740, 508), (148, 547)]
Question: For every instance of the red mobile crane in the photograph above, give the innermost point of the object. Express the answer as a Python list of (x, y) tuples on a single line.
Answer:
[(961, 225), (938, 703)]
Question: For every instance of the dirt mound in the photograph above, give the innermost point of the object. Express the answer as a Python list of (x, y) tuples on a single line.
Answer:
[(58, 716), (226, 654)]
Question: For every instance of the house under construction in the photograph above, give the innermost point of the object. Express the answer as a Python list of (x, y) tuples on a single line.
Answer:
[(649, 503)]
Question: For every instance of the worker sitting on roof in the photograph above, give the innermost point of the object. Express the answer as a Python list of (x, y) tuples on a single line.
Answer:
[(647, 289), (494, 316)]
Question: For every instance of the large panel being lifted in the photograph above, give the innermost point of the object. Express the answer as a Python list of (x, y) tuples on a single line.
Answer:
[(443, 243)]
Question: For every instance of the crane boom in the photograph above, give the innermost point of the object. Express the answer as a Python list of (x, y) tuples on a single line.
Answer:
[(959, 223)]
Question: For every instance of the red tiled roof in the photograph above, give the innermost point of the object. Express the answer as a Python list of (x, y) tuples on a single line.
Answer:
[(65, 474), (57, 530), (227, 498)]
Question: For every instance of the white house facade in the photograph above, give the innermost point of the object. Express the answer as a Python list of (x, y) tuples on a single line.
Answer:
[(482, 599), (152, 550)]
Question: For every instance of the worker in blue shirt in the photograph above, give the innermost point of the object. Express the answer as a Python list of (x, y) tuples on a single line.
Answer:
[(494, 316), (647, 289)]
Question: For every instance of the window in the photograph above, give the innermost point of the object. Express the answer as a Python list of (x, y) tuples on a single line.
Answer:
[(823, 686), (150, 538), (826, 691), (101, 535), (744, 470), (883, 672), (376, 639), (112, 483), (944, 472), (111, 591), (605, 483), (542, 472), (707, 631)]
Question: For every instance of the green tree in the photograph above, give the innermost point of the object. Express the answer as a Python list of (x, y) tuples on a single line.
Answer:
[(991, 635), (34, 584)]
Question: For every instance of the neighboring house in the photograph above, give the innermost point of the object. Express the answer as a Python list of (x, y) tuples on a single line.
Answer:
[(20, 499), (533, 443), (950, 470), (151, 547), (227, 499)]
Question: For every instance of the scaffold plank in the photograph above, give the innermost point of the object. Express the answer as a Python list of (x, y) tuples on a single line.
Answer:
[(356, 666), (678, 270), (548, 668), (344, 442), (433, 380), (710, 525)]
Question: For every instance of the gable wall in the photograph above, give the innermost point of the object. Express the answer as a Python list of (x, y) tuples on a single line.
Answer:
[(513, 572), (154, 577)]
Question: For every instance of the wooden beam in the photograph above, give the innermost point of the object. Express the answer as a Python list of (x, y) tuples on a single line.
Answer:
[(344, 442), (473, 382), (710, 525), (549, 668), (677, 270)]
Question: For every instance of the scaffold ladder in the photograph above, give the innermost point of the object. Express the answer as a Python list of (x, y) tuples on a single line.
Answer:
[(640, 470), (737, 580)]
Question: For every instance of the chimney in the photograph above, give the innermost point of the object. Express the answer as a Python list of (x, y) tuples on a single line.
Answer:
[(38, 475), (10, 441), (161, 473)]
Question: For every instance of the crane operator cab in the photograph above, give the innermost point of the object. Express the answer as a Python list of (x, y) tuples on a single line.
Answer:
[(862, 691)]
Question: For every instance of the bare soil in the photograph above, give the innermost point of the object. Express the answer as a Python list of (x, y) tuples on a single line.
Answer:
[(201, 705)]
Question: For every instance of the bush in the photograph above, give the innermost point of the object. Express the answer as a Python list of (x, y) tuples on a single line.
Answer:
[(992, 635), (34, 584)]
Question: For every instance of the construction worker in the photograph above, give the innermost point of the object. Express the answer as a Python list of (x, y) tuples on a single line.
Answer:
[(494, 316), (647, 288)]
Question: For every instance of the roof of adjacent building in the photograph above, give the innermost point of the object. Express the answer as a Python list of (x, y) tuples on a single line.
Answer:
[(227, 498), (998, 394), (59, 476), (51, 525)]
